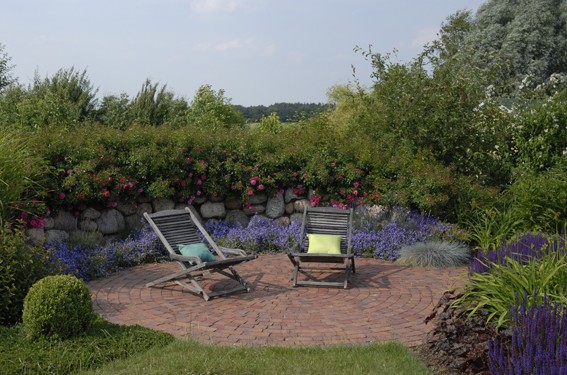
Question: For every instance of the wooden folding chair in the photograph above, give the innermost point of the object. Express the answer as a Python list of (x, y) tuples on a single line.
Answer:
[(179, 227), (323, 221)]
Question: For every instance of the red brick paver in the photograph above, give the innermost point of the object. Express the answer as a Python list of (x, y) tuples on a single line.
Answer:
[(384, 302)]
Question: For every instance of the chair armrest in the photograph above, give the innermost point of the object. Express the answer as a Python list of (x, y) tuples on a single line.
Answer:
[(230, 251), (186, 258)]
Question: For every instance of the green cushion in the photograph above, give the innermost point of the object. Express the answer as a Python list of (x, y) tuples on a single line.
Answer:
[(324, 244), (197, 250)]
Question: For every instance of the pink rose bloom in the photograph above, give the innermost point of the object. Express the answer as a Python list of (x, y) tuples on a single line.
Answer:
[(250, 192), (107, 193), (199, 182), (260, 187), (355, 192), (356, 184), (62, 196)]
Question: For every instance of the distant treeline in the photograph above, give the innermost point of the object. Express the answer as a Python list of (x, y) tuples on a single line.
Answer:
[(287, 112)]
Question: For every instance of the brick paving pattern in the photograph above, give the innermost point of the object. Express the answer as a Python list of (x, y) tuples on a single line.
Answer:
[(384, 302)]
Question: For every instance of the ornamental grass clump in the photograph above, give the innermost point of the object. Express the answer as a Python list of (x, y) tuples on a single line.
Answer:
[(537, 343), (434, 254), (57, 307)]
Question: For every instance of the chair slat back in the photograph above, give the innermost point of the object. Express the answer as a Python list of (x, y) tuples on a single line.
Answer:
[(173, 227), (332, 221)]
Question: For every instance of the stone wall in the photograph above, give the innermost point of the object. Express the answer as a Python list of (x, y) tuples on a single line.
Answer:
[(107, 224)]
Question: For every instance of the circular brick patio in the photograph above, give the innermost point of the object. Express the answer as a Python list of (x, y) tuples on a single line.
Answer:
[(384, 302)]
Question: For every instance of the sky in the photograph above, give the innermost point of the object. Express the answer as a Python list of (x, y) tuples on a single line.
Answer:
[(259, 52)]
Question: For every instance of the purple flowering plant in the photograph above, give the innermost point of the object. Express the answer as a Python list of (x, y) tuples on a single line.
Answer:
[(525, 248), (90, 261), (535, 344), (263, 235)]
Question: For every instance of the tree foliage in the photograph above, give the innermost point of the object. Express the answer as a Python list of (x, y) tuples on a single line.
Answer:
[(67, 98), (523, 42), (212, 109), (156, 106), (287, 112), (6, 78)]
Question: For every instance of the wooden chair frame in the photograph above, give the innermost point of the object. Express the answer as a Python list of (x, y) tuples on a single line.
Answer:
[(323, 220), (179, 227)]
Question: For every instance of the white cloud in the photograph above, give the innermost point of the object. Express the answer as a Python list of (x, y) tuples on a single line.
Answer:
[(214, 6)]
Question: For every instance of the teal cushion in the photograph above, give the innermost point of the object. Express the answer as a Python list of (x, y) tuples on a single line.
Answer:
[(197, 250), (324, 244)]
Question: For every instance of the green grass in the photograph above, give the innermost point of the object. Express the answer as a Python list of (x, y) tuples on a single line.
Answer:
[(112, 349), (190, 357), (102, 343)]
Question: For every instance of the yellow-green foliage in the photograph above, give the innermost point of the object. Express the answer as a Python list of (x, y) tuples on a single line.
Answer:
[(57, 307), (21, 265), (21, 174)]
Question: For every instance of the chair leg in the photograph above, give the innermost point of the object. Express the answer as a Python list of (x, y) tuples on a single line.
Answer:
[(238, 278), (170, 277), (195, 288), (348, 268), (294, 275)]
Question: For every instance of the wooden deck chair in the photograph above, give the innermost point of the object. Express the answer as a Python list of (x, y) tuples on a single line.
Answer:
[(179, 227), (326, 239)]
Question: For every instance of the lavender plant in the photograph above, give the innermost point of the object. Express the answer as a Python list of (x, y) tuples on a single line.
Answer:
[(370, 236), (91, 261), (537, 343), (527, 247), (262, 235)]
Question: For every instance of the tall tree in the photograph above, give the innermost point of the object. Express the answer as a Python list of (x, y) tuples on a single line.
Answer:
[(211, 108), (67, 98), (6, 78), (522, 41)]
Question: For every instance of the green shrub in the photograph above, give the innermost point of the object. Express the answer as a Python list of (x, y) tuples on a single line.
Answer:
[(539, 200), (436, 254), (57, 307), (21, 265), (491, 227), (21, 174), (507, 284)]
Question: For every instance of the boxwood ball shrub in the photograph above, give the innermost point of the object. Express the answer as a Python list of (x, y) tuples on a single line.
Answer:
[(57, 307)]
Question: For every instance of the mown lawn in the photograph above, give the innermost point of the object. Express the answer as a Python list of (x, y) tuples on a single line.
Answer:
[(112, 349)]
